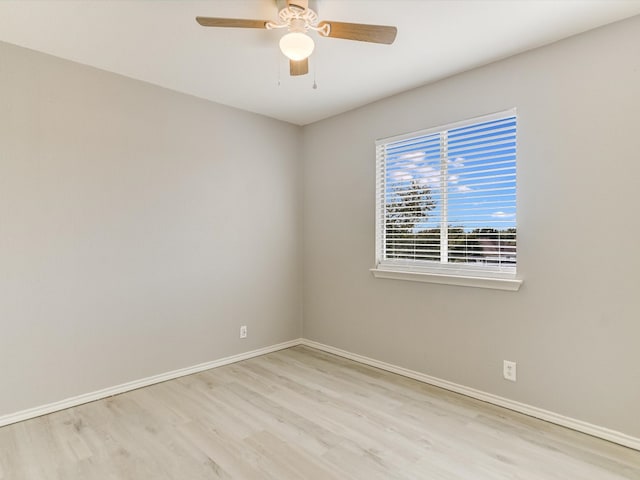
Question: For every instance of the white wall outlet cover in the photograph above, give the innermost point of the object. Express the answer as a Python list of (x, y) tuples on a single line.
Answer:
[(243, 331), (509, 370)]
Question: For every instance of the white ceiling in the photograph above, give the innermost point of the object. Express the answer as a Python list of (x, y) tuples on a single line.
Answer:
[(160, 42)]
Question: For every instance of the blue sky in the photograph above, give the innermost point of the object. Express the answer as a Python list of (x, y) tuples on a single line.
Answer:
[(481, 173)]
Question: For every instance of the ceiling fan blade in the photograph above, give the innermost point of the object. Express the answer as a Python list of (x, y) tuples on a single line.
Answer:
[(230, 22), (298, 67), (361, 32)]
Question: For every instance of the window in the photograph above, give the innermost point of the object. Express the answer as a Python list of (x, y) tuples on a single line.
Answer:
[(446, 204)]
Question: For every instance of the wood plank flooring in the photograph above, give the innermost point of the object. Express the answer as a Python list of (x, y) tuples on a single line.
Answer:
[(301, 414)]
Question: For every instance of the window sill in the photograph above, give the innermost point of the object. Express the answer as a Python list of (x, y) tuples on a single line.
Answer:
[(447, 279)]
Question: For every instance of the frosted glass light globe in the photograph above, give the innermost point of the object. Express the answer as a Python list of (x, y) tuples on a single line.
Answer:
[(296, 45)]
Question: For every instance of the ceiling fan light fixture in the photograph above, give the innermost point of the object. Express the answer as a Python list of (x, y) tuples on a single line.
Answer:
[(296, 45)]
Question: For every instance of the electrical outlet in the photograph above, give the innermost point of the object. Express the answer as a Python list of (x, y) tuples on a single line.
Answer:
[(243, 331), (509, 370)]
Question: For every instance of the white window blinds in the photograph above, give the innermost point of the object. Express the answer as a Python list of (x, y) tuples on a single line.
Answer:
[(446, 198)]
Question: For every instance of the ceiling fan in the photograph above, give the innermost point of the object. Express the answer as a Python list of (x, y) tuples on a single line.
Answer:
[(298, 18)]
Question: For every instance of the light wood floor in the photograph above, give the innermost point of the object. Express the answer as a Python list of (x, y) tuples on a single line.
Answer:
[(301, 414)]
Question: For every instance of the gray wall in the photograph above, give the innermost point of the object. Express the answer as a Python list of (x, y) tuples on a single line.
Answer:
[(139, 228), (574, 327)]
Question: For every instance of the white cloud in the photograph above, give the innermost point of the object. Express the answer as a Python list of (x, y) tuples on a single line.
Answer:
[(464, 189), (428, 176), (412, 155), (502, 215), (400, 176)]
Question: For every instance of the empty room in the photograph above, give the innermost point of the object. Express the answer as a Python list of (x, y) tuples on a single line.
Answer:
[(319, 239)]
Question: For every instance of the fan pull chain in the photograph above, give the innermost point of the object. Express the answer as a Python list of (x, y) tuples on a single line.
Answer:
[(279, 63), (315, 69)]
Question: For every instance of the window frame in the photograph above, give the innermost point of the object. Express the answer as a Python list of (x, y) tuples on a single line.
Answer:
[(450, 273)]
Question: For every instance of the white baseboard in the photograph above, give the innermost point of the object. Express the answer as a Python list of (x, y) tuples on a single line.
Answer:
[(143, 382), (572, 423)]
